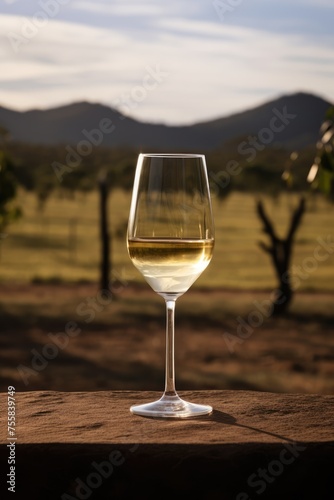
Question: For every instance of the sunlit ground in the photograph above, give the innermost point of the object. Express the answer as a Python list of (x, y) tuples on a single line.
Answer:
[(62, 243), (225, 337)]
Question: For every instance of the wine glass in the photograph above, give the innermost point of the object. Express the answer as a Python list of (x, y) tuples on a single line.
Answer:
[(170, 240)]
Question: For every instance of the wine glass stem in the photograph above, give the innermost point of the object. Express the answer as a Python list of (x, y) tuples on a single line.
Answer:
[(170, 371)]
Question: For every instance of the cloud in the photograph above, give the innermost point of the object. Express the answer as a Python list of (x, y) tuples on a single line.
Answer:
[(213, 69), (119, 9)]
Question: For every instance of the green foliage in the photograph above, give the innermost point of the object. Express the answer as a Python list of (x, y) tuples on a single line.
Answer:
[(8, 212), (263, 174), (321, 174), (35, 173), (33, 166)]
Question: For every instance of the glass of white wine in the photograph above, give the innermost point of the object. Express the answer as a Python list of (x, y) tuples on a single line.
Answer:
[(170, 240)]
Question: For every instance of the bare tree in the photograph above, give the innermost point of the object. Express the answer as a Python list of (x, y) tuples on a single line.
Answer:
[(320, 177), (280, 251)]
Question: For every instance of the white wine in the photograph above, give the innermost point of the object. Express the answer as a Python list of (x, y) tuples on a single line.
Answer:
[(170, 239), (170, 265)]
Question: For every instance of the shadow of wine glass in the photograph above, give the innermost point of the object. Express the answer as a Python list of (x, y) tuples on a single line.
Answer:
[(227, 419)]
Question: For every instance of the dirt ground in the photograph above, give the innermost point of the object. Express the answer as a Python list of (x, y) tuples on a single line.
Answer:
[(71, 338)]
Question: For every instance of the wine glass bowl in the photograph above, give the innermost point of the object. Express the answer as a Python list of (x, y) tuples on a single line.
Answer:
[(170, 240)]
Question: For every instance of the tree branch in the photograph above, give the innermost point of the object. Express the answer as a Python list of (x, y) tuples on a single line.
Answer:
[(296, 219), (268, 227), (266, 247)]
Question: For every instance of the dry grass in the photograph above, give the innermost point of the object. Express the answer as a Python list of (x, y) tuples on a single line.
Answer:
[(62, 243), (121, 344)]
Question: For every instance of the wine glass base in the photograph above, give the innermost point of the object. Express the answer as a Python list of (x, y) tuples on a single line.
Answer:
[(171, 407)]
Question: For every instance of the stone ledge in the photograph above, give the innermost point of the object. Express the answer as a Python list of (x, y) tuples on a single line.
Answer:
[(61, 435)]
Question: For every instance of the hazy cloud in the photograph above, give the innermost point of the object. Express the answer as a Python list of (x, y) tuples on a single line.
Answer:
[(99, 50)]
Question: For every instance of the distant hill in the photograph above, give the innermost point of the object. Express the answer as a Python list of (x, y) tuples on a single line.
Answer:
[(291, 121)]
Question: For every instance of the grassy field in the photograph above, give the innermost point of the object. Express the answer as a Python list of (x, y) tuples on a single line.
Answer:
[(50, 274), (61, 244)]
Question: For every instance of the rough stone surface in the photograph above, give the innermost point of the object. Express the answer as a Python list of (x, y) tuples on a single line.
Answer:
[(62, 437)]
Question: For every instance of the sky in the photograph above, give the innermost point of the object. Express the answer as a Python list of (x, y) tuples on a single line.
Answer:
[(174, 62)]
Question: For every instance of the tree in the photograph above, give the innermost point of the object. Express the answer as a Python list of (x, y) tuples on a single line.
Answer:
[(321, 178), (8, 187), (44, 188), (280, 251)]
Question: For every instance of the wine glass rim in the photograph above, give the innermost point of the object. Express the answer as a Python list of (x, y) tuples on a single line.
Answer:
[(172, 155)]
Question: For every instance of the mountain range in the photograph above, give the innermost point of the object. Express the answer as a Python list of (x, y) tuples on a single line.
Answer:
[(291, 121)]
